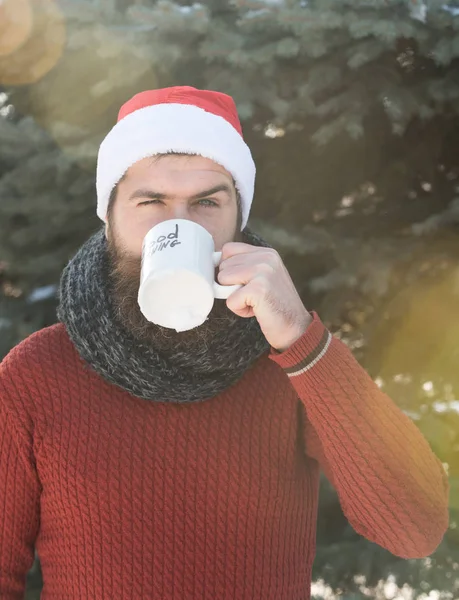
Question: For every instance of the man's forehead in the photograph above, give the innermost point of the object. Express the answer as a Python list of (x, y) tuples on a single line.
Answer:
[(178, 164), (178, 172)]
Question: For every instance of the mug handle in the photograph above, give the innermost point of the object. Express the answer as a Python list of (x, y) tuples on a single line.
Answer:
[(222, 292)]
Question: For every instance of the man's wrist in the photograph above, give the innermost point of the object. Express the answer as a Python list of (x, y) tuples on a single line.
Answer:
[(298, 333)]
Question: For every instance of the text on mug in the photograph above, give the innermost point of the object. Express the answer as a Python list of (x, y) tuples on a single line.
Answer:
[(163, 241)]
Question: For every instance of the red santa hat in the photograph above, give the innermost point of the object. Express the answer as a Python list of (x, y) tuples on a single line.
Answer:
[(176, 119)]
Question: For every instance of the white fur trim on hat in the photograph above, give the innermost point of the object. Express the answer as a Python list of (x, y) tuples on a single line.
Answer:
[(174, 127)]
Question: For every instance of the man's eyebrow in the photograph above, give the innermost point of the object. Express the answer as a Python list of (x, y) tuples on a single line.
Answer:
[(149, 193)]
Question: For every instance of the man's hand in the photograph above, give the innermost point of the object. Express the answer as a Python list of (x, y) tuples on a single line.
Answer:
[(268, 292)]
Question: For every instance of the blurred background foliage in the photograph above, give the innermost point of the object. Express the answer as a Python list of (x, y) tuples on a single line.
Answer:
[(351, 108)]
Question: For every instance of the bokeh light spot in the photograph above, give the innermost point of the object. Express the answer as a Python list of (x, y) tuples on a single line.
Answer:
[(15, 24), (43, 48)]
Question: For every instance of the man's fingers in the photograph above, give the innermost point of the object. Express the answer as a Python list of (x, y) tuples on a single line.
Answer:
[(236, 274), (233, 248)]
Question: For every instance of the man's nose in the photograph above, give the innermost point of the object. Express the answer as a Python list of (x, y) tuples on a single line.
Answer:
[(180, 211)]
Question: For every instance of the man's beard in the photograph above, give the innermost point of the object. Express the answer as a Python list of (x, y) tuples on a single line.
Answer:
[(124, 274)]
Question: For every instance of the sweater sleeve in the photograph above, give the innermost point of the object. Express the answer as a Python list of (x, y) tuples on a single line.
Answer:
[(392, 488), (19, 500)]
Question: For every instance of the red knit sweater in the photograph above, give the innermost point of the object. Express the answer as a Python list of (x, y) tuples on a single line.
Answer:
[(131, 499)]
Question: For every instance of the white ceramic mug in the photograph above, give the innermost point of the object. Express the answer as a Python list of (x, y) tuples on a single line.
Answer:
[(177, 279)]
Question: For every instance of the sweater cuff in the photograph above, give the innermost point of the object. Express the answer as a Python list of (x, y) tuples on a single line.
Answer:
[(307, 351)]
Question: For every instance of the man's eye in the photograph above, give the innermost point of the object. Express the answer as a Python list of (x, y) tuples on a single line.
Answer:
[(203, 202), (154, 201)]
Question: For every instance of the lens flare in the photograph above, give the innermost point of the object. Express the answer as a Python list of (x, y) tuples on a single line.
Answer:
[(78, 101), (42, 49), (15, 25), (421, 331)]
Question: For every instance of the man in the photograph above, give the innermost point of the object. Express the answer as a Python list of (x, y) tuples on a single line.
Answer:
[(146, 463)]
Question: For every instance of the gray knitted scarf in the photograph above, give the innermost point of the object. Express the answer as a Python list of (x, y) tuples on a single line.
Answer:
[(175, 376)]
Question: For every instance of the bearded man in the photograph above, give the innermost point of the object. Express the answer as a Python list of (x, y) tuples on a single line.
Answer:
[(142, 462)]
